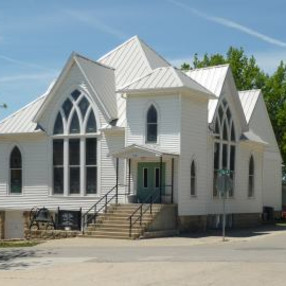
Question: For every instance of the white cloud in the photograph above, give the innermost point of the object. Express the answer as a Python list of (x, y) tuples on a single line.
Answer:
[(230, 24), (25, 64), (92, 20), (21, 77)]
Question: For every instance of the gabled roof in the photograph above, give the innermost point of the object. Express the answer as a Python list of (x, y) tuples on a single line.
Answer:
[(22, 120), (212, 78), (132, 60), (165, 78), (248, 99), (100, 79)]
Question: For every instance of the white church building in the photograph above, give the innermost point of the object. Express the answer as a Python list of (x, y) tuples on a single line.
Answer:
[(132, 123)]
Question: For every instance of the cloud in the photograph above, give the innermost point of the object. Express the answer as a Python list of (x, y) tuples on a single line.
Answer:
[(21, 77), (230, 24), (92, 20), (25, 64)]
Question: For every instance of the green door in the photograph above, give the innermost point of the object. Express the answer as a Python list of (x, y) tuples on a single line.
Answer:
[(149, 180)]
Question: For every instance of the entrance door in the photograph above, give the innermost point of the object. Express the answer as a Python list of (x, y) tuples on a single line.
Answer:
[(149, 180)]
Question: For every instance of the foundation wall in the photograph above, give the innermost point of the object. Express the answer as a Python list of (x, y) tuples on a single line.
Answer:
[(202, 223), (2, 224)]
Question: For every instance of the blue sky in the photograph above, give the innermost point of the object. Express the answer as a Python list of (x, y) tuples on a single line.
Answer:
[(37, 37)]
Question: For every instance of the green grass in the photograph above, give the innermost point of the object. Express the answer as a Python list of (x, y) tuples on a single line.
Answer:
[(17, 243), (281, 224)]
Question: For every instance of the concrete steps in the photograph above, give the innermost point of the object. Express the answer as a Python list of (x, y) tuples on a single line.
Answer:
[(115, 223)]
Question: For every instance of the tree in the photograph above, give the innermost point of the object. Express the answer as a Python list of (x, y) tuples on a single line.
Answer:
[(248, 75)]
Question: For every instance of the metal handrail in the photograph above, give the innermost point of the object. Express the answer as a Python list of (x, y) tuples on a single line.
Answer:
[(94, 207), (149, 206)]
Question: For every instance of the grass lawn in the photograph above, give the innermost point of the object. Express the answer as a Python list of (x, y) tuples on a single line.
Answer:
[(17, 243)]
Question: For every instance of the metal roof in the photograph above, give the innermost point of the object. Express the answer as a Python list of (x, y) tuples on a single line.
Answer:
[(212, 78), (137, 151), (164, 78), (21, 121), (131, 60), (248, 99), (253, 137)]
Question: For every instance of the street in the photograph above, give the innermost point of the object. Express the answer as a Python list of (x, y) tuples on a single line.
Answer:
[(247, 257)]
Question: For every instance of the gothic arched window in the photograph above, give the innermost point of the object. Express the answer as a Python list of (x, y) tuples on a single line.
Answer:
[(224, 144), (152, 125), (15, 171), (75, 136)]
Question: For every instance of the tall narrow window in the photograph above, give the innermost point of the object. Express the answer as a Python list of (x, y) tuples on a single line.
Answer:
[(251, 178), (152, 125), (16, 171), (76, 174), (224, 144), (193, 179), (74, 165), (91, 165), (58, 162)]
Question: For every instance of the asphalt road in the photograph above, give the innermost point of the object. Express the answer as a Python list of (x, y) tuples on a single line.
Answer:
[(255, 258)]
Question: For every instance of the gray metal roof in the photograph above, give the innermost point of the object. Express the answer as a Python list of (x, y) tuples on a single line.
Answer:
[(212, 78), (21, 121), (248, 99), (165, 78)]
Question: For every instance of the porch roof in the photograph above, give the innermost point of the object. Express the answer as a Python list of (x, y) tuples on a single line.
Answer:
[(140, 151)]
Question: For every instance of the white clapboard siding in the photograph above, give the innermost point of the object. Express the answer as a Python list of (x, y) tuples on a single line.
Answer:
[(194, 128), (168, 107), (73, 80)]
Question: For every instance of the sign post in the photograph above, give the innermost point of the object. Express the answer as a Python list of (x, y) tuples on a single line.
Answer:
[(223, 185)]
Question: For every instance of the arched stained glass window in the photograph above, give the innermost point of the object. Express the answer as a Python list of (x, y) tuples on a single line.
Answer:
[(75, 94), (58, 127), (152, 125), (91, 124), (79, 118), (74, 127), (224, 143), (83, 106), (16, 171), (67, 107)]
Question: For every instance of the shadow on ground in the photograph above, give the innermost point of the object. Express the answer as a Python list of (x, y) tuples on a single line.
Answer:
[(243, 233), (15, 258)]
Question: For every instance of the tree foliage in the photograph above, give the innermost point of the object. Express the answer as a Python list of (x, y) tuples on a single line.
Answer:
[(248, 75)]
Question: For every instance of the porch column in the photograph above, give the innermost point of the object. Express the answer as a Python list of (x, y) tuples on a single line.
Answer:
[(117, 170), (129, 176), (161, 165), (172, 184)]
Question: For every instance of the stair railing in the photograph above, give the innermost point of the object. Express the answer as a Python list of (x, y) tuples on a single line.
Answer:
[(138, 214), (93, 212)]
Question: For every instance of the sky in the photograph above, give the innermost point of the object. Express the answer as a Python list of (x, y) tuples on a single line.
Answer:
[(37, 37)]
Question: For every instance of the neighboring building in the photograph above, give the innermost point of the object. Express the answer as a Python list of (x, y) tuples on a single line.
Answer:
[(168, 128)]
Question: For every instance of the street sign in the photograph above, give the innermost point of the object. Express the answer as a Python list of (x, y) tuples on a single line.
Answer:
[(223, 184)]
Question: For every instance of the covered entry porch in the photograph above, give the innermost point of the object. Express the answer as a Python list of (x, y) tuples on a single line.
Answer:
[(150, 174)]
